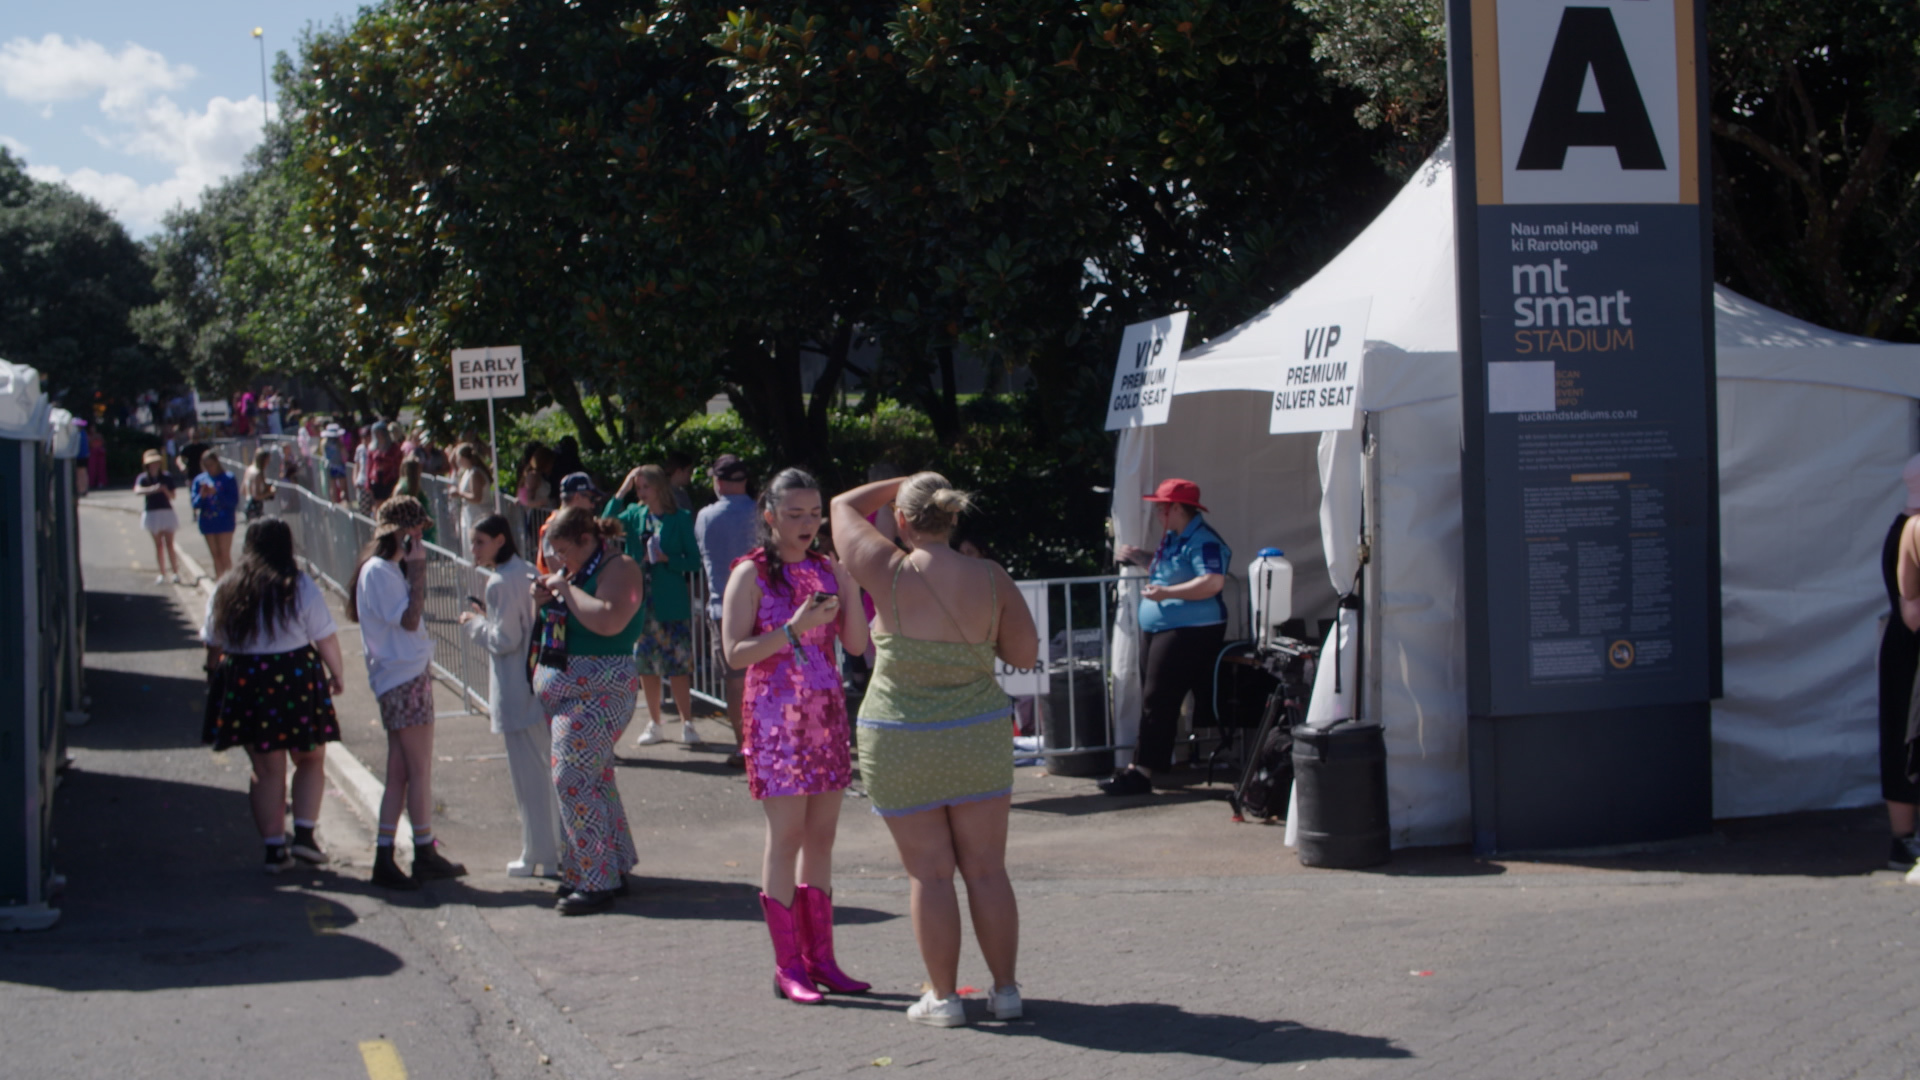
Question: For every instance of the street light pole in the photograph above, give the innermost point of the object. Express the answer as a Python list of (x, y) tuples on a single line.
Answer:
[(260, 36)]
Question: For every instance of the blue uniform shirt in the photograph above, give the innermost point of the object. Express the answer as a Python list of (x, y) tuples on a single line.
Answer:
[(1183, 556)]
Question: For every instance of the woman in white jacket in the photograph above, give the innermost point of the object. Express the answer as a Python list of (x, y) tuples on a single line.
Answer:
[(503, 626)]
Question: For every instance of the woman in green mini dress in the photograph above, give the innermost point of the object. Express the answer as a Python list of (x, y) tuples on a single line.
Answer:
[(936, 752)]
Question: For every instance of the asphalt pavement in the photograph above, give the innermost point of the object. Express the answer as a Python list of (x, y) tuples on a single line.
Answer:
[(1159, 938)]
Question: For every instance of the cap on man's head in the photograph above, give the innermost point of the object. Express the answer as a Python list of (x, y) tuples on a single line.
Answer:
[(728, 467), (575, 483), (1184, 492), (379, 425)]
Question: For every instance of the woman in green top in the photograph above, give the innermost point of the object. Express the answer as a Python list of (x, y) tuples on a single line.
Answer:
[(660, 538), (587, 625), (936, 748)]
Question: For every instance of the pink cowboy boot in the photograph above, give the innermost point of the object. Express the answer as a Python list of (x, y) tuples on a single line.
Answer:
[(789, 973), (813, 910)]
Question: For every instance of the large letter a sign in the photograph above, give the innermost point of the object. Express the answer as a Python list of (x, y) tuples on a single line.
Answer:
[(1588, 52), (1589, 109), (1588, 448)]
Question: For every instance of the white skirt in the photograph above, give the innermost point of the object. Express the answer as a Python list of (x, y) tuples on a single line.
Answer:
[(159, 521)]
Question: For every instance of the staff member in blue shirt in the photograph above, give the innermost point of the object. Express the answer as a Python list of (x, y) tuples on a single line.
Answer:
[(1183, 618), (216, 495)]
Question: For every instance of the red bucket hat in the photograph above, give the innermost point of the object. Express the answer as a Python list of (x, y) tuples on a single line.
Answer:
[(1184, 492)]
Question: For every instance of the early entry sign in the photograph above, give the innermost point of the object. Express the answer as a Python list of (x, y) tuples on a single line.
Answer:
[(482, 374)]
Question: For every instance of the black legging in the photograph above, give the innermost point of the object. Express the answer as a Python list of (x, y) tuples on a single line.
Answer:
[(1177, 661)]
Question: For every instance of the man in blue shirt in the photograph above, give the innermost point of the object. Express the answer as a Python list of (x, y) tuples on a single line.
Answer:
[(725, 531), (1183, 620)]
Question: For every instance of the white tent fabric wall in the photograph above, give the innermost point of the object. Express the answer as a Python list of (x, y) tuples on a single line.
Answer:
[(1805, 502), (1814, 427), (1133, 464), (1416, 625)]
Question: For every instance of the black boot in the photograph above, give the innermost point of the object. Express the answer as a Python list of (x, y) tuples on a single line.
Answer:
[(386, 872), (430, 865)]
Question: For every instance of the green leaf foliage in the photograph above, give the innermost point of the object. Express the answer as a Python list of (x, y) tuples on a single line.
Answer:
[(69, 278)]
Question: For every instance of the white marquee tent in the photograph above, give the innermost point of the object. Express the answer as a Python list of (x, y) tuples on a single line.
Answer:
[(1814, 429)]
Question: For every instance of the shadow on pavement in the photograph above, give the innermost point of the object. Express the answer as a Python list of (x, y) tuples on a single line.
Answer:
[(702, 766), (1435, 862), (136, 622), (649, 898), (1094, 802), (136, 711), (164, 891), (1817, 843), (278, 937), (1154, 1028)]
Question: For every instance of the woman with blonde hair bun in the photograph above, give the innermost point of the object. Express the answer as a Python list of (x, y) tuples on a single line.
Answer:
[(935, 751)]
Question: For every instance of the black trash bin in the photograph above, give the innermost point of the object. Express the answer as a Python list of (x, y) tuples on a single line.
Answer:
[(1340, 789), (1084, 724)]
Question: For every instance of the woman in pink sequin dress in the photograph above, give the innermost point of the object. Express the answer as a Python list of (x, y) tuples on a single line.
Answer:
[(781, 615)]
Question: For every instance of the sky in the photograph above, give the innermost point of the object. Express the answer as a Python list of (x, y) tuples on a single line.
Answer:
[(142, 106)]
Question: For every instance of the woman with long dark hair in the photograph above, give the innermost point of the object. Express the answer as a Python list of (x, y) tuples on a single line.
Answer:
[(388, 600), (502, 625), (588, 623), (273, 663), (785, 608)]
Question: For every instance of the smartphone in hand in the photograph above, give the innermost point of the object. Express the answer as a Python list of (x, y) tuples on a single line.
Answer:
[(477, 604)]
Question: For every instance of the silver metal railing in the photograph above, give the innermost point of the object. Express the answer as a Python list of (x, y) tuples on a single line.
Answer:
[(330, 536), (1070, 691), (1073, 708)]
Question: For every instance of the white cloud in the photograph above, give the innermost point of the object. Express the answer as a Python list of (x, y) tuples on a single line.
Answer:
[(18, 148), (52, 69), (202, 146)]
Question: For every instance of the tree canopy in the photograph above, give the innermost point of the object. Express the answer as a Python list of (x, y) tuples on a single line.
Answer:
[(1013, 181), (69, 277)]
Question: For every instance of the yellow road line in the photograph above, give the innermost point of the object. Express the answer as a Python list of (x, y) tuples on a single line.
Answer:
[(383, 1060)]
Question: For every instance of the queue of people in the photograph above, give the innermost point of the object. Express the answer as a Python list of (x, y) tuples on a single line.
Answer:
[(572, 643)]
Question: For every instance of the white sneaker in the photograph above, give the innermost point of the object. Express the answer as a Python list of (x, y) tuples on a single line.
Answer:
[(934, 1012), (688, 733), (176, 578), (161, 580), (1004, 1002), (651, 735)]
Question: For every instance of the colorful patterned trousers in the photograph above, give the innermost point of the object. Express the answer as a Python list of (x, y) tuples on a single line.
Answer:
[(591, 704)]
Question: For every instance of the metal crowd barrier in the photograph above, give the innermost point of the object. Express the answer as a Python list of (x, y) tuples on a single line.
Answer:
[(1076, 656), (330, 537), (1077, 616)]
